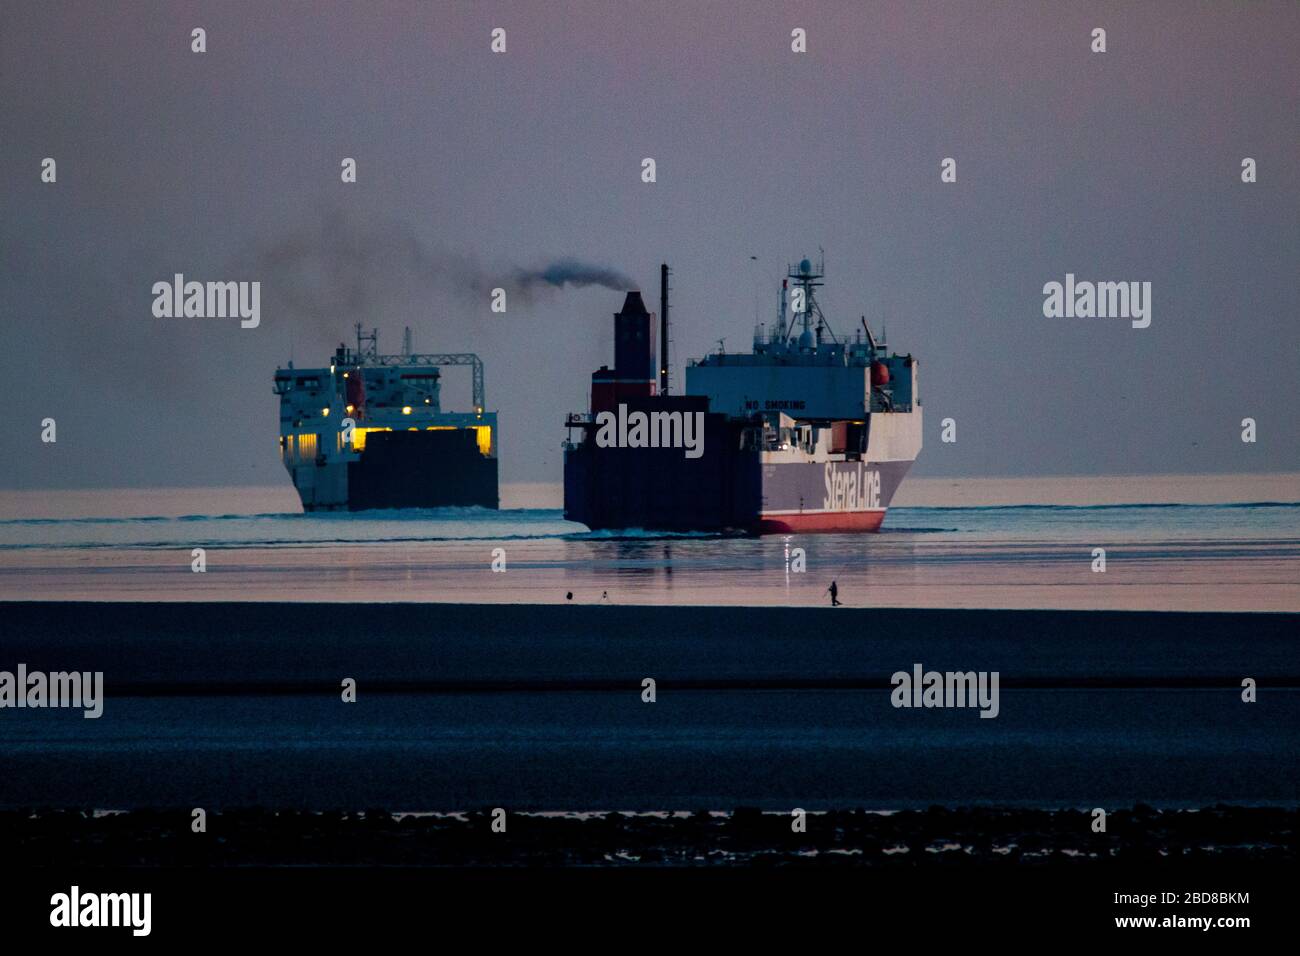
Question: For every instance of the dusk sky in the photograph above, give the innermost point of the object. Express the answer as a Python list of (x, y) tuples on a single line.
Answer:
[(225, 165)]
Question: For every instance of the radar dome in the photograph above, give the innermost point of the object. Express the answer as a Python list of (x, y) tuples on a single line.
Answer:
[(805, 267)]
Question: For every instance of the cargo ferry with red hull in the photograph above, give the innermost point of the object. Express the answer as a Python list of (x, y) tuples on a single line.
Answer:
[(807, 432)]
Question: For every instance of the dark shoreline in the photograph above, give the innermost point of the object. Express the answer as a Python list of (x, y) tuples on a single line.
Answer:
[(983, 838)]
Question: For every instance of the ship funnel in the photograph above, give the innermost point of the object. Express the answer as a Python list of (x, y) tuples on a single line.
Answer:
[(635, 358), (633, 304)]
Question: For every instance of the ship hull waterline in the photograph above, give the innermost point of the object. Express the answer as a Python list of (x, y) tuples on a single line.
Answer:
[(836, 497)]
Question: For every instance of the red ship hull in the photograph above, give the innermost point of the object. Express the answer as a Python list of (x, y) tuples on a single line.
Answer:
[(823, 522)]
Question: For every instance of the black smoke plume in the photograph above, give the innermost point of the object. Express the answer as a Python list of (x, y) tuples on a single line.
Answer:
[(568, 271), (343, 267)]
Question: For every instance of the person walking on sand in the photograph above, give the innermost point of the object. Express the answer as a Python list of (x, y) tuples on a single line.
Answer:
[(835, 594)]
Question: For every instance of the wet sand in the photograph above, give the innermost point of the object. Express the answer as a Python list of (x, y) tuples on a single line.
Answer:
[(541, 708), (189, 647)]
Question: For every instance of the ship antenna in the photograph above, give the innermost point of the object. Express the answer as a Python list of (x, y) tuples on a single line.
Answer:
[(780, 325), (755, 281)]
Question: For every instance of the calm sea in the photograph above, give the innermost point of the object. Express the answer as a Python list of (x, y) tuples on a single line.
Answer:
[(1228, 542)]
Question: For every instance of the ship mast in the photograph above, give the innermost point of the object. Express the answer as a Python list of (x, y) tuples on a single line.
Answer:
[(807, 282)]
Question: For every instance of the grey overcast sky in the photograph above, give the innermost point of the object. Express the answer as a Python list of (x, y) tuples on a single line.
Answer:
[(225, 165)]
